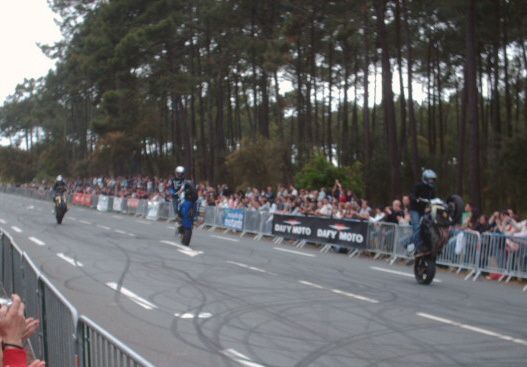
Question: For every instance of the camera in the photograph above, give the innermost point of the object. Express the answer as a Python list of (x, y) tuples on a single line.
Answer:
[(5, 302)]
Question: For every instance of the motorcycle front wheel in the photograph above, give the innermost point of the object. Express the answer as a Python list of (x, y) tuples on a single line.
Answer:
[(424, 269)]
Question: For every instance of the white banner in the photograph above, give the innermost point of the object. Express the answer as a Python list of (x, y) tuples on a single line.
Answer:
[(153, 210), (103, 203), (117, 204)]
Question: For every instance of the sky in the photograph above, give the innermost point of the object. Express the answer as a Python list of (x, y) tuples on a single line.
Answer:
[(23, 24)]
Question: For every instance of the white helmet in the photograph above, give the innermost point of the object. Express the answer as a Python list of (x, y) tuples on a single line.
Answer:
[(180, 170), (59, 178)]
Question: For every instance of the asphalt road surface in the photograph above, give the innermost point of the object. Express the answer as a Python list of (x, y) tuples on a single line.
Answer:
[(231, 301)]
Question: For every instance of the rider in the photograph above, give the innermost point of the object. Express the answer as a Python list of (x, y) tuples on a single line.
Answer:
[(187, 212), (423, 190), (176, 186), (59, 188)]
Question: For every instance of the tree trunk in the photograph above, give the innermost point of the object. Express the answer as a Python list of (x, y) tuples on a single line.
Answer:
[(411, 112), (472, 106), (330, 82), (402, 99), (366, 107), (508, 102), (387, 101)]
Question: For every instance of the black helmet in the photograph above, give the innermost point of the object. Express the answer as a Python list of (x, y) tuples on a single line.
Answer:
[(429, 177)]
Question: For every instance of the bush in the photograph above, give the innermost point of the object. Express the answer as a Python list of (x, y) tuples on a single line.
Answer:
[(258, 163), (318, 172)]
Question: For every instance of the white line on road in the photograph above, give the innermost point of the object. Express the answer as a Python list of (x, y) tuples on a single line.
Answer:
[(16, 229), (241, 265), (409, 275), (37, 241), (473, 328), (338, 291), (183, 249), (134, 297), (143, 222), (119, 231), (70, 260), (293, 252), (84, 222), (305, 282), (240, 358), (203, 315), (103, 227), (226, 238), (3, 221), (73, 219), (131, 234), (356, 296)]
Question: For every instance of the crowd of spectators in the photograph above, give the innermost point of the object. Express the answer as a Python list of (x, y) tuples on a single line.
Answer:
[(335, 201)]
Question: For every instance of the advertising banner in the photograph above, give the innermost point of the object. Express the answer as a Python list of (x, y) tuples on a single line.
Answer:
[(103, 203), (321, 230), (233, 218)]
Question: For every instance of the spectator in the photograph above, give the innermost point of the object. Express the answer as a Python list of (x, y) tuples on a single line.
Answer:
[(395, 214), (14, 330)]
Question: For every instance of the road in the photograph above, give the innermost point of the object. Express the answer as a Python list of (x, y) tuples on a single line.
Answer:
[(231, 301)]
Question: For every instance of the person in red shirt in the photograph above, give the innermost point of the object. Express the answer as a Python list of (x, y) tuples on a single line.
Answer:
[(14, 329)]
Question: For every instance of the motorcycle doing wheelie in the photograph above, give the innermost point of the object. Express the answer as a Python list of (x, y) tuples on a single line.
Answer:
[(434, 231), (61, 207)]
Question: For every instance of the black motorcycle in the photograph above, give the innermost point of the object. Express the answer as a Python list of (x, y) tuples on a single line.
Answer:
[(435, 231), (61, 207)]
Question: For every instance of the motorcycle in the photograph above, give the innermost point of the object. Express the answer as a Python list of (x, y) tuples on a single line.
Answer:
[(435, 230), (61, 207)]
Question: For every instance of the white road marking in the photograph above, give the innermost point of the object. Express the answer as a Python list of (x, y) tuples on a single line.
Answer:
[(338, 291), (171, 227), (247, 266), (84, 222), (473, 328), (103, 227), (293, 252), (404, 274), (3, 221), (203, 315), (37, 241), (73, 218), (70, 260), (183, 249), (31, 207), (120, 231), (143, 222), (131, 234), (356, 296), (226, 238), (239, 358), (305, 282), (133, 297), (16, 229)]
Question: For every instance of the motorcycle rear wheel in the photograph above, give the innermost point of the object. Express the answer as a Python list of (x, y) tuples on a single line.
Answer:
[(424, 269)]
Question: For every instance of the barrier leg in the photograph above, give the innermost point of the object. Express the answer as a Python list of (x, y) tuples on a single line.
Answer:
[(525, 288)]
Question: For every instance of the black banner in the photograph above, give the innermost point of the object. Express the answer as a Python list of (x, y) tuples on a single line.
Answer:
[(321, 230)]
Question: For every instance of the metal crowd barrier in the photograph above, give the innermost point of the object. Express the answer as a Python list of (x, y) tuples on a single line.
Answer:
[(64, 339), (466, 250)]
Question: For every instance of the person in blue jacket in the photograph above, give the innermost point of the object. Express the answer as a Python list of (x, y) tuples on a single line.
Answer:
[(187, 212)]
